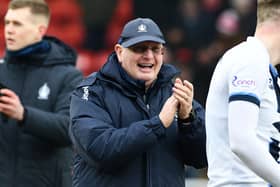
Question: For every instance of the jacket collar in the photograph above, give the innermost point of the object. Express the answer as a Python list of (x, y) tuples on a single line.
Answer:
[(49, 51)]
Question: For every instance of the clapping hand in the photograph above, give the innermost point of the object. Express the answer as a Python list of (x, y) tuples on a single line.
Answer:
[(183, 92)]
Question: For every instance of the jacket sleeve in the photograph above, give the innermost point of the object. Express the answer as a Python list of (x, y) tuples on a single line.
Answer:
[(193, 139), (53, 126), (99, 142)]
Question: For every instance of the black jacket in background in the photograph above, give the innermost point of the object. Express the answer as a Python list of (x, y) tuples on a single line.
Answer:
[(37, 152)]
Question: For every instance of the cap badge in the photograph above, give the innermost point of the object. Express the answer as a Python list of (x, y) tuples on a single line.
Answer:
[(142, 28)]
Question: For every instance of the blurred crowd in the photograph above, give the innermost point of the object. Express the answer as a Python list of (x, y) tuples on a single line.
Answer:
[(197, 31)]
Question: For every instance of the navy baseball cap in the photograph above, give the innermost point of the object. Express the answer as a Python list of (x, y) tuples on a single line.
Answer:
[(140, 30)]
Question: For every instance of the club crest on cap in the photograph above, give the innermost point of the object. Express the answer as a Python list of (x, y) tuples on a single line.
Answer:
[(142, 28)]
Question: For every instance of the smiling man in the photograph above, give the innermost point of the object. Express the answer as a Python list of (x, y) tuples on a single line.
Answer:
[(131, 124)]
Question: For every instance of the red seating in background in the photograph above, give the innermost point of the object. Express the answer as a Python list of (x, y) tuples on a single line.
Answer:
[(2, 40), (67, 22), (122, 13), (89, 61), (3, 9)]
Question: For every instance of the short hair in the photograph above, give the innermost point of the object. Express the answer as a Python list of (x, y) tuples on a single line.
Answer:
[(268, 10), (37, 7)]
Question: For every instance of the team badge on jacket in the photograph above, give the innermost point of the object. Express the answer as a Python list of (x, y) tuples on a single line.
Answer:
[(44, 92)]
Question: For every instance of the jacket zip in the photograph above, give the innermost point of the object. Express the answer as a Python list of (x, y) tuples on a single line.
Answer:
[(15, 172), (149, 182), (148, 169)]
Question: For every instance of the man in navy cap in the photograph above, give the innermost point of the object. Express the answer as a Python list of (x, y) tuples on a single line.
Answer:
[(132, 124)]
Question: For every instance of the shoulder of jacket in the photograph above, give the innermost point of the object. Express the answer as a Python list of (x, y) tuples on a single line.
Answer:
[(88, 80)]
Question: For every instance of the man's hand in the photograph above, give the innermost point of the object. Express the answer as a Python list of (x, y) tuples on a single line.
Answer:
[(183, 92), (10, 105), (168, 111)]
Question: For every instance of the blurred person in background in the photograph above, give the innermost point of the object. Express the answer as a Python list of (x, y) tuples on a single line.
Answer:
[(246, 11), (228, 34), (97, 15), (242, 108), (134, 122), (38, 74)]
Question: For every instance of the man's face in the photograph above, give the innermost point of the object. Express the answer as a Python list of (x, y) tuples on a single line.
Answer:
[(142, 61), (21, 29)]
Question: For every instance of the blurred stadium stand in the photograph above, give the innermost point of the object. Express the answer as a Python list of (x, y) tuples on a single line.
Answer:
[(3, 8)]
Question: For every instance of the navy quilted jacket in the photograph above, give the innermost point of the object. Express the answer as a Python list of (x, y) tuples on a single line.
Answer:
[(119, 139)]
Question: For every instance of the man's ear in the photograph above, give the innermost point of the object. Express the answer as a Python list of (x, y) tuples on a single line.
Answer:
[(42, 30), (119, 51)]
